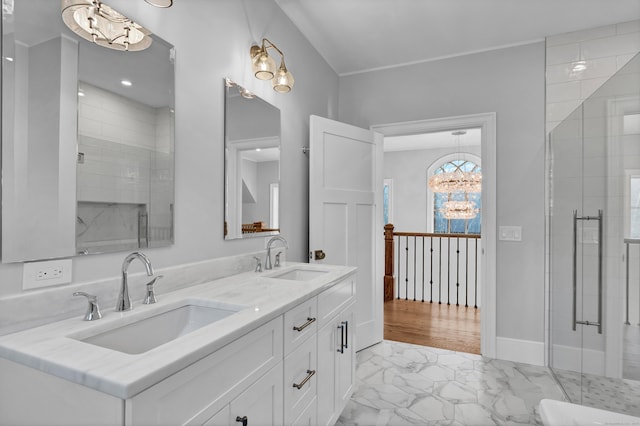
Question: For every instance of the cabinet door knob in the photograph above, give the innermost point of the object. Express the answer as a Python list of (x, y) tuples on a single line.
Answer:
[(244, 420), (319, 254)]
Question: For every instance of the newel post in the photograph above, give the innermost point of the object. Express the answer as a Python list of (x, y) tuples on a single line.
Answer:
[(388, 262)]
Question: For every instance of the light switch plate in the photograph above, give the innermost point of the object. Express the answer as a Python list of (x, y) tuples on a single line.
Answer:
[(510, 233), (46, 273)]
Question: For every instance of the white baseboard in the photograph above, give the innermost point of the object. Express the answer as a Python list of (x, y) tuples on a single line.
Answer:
[(526, 351)]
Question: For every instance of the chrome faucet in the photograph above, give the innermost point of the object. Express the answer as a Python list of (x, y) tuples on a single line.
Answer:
[(271, 241), (124, 301)]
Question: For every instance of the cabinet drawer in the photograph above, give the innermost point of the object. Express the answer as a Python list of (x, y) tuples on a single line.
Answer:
[(301, 364), (333, 300), (300, 323), (202, 389)]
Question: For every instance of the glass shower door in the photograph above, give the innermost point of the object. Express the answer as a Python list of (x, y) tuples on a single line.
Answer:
[(576, 231), (592, 157)]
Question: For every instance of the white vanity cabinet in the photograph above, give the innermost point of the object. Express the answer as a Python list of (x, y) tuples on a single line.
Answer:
[(309, 384), (241, 373), (336, 350), (295, 369)]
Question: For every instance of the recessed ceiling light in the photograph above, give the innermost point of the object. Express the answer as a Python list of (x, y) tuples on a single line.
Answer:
[(8, 58), (126, 83), (258, 149), (80, 93)]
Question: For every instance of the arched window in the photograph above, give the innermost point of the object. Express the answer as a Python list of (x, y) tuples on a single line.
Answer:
[(456, 226)]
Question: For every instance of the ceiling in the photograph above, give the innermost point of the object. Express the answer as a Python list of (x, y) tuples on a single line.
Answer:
[(356, 36)]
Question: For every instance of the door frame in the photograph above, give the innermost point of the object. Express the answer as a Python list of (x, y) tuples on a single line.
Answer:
[(487, 122)]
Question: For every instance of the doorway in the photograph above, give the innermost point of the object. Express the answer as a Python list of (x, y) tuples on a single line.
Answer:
[(486, 249)]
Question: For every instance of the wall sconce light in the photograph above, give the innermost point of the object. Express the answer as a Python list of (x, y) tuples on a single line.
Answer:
[(264, 67), (96, 22)]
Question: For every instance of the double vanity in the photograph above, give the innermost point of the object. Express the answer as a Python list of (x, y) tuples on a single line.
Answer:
[(275, 347)]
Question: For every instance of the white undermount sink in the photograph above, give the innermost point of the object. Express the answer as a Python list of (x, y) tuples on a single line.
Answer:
[(299, 274), (150, 332)]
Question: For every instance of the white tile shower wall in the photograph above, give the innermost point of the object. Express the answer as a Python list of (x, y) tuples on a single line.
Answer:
[(126, 146), (604, 51), (107, 116), (113, 172)]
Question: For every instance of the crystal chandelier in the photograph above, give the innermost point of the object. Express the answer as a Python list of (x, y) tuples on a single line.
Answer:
[(459, 210), (457, 180)]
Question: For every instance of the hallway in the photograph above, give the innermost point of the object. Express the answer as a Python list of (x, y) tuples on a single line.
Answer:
[(456, 328)]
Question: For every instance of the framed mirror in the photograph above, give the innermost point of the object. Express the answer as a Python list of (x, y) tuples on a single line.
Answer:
[(87, 140), (252, 164)]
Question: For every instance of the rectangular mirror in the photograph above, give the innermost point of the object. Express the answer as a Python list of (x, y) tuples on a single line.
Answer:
[(252, 164), (87, 158)]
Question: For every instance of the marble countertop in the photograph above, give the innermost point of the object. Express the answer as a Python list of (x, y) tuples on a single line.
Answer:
[(50, 348)]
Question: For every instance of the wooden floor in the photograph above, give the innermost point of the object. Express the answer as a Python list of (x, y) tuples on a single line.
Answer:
[(441, 326)]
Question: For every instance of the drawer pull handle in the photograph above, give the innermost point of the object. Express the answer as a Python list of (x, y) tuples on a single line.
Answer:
[(305, 325), (310, 374), (243, 419)]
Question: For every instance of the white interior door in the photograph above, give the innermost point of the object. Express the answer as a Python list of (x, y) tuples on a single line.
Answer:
[(345, 213)]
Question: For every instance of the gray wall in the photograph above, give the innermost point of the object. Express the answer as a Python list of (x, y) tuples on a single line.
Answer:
[(216, 45), (511, 83)]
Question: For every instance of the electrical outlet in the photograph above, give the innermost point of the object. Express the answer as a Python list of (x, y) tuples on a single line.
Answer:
[(47, 273)]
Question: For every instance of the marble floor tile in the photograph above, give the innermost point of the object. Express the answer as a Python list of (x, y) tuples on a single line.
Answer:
[(619, 395), (405, 384)]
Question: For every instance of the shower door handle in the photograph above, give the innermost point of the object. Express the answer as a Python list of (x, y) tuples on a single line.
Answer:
[(576, 218)]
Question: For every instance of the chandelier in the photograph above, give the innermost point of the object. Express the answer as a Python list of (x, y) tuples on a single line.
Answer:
[(457, 180), (96, 22), (459, 210)]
